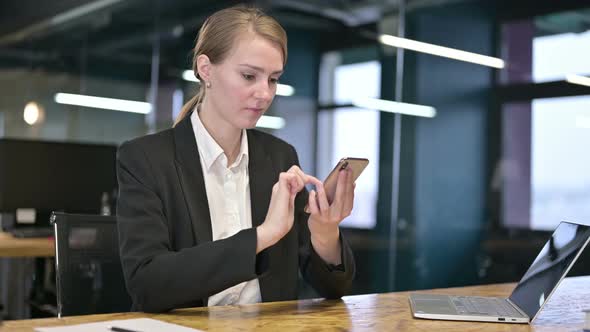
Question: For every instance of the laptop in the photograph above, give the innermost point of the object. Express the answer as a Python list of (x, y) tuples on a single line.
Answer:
[(530, 295)]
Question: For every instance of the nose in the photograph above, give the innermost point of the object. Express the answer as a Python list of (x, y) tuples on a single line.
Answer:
[(264, 91)]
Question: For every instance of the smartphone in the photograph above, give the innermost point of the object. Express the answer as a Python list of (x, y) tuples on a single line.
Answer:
[(357, 165)]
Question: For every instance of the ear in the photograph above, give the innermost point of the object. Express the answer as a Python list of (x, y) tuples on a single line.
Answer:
[(204, 67)]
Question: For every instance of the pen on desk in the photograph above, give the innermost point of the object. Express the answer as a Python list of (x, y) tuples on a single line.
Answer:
[(120, 329)]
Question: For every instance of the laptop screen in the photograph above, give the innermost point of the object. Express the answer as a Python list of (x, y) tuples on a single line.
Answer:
[(551, 265)]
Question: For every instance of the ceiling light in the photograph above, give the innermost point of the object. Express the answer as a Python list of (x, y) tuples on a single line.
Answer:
[(446, 52), (189, 75), (270, 122), (177, 31), (578, 79), (33, 113), (395, 107), (285, 90), (104, 103), (282, 89)]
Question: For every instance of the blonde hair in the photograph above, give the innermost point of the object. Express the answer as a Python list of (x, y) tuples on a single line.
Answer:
[(218, 34)]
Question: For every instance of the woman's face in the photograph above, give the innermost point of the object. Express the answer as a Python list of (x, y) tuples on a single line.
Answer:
[(244, 84)]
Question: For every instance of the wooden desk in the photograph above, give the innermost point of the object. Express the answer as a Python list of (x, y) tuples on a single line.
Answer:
[(32, 247), (18, 261), (375, 312)]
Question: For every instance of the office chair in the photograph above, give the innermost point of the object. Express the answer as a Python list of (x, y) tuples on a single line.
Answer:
[(89, 277)]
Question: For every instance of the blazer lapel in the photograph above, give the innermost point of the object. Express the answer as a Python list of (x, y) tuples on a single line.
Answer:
[(260, 172), (188, 165)]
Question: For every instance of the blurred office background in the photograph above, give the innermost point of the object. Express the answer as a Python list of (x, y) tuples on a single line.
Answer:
[(465, 195)]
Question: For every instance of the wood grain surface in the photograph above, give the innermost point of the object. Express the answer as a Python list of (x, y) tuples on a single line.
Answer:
[(373, 312), (29, 247)]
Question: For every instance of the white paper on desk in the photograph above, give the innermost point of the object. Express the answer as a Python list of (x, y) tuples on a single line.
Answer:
[(137, 324)]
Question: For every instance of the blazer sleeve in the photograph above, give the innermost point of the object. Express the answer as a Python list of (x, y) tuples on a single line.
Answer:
[(158, 278), (328, 281)]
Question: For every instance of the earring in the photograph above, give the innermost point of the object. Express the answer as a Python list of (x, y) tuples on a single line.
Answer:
[(208, 84)]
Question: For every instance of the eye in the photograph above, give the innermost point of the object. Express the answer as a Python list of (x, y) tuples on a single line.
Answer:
[(274, 80), (248, 77)]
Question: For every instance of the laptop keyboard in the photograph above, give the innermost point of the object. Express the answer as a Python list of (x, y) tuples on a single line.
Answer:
[(484, 306)]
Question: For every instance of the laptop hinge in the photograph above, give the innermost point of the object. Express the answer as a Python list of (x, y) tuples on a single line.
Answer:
[(518, 309)]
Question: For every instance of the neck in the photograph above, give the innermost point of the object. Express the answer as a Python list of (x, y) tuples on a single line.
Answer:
[(228, 137)]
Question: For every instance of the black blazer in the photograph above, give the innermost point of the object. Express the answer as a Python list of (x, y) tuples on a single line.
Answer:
[(168, 256)]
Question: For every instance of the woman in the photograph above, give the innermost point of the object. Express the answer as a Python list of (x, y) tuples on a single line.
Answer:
[(211, 212)]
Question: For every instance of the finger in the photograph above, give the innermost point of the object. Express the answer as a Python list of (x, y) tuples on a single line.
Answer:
[(340, 189), (313, 202), (300, 182), (346, 197), (281, 191), (296, 170), (283, 183), (299, 173), (308, 179), (293, 184), (349, 200), (350, 185), (286, 182), (349, 182), (314, 181), (322, 199)]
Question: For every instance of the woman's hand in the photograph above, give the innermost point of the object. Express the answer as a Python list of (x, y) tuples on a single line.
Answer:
[(279, 218), (325, 218)]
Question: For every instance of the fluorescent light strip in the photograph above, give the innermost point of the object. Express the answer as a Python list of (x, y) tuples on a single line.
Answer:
[(285, 90), (81, 11), (578, 79), (104, 103), (270, 122), (395, 107), (189, 75), (282, 89), (446, 52), (583, 122)]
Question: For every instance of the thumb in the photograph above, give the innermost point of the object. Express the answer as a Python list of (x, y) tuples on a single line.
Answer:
[(284, 186), (292, 200)]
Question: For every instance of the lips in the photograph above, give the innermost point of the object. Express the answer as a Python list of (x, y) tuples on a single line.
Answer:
[(255, 109)]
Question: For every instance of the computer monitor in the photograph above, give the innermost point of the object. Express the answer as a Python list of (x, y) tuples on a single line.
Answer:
[(55, 176)]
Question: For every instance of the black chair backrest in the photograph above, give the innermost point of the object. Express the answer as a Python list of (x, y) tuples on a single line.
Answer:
[(89, 275)]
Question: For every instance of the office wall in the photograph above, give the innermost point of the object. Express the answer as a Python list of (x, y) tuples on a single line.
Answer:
[(64, 122)]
